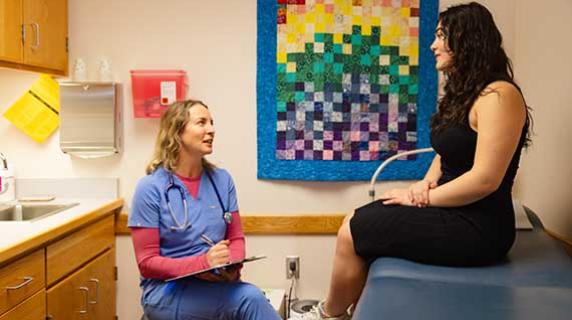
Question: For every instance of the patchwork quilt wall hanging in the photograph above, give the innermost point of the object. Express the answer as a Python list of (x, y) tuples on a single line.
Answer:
[(343, 85)]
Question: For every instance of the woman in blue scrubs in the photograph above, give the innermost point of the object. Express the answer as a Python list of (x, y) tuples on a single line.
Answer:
[(184, 219)]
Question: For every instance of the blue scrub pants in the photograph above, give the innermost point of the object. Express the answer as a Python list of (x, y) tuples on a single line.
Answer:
[(196, 299)]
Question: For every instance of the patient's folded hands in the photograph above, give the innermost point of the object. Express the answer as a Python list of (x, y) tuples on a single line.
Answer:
[(419, 192), (396, 197)]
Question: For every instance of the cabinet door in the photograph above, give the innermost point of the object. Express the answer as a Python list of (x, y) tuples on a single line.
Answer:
[(89, 293), (11, 30), (32, 309), (46, 30), (101, 284)]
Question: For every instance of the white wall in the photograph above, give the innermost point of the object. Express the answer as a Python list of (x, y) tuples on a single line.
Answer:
[(220, 58), (543, 69), (219, 55)]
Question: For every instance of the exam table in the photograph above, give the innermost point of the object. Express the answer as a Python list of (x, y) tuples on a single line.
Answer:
[(533, 282)]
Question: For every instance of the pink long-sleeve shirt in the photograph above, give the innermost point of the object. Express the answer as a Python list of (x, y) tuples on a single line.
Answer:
[(146, 242)]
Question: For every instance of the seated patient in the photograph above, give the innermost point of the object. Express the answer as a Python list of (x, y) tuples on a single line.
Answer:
[(184, 218), (461, 213)]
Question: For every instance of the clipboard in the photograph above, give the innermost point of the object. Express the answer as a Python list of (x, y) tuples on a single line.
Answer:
[(230, 264)]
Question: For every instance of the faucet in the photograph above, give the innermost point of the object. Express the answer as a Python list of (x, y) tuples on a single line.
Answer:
[(5, 182)]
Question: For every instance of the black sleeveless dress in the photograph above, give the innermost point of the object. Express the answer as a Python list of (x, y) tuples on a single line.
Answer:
[(475, 234)]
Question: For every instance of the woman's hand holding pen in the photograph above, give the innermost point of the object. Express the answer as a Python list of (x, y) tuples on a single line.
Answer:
[(219, 253)]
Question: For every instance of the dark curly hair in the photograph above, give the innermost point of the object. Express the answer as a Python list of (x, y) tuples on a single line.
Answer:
[(478, 59)]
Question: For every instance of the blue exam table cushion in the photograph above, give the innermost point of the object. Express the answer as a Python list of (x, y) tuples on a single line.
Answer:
[(535, 282)]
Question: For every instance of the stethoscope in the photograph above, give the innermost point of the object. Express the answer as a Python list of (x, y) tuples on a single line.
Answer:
[(226, 216)]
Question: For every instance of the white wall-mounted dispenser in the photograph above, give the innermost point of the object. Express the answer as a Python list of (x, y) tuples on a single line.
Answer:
[(7, 181), (90, 119)]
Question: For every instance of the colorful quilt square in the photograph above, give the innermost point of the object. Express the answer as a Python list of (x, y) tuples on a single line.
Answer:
[(344, 90)]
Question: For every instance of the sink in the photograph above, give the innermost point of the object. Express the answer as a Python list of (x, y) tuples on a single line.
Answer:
[(30, 212)]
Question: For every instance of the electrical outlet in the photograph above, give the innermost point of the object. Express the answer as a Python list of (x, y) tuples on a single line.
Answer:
[(292, 267)]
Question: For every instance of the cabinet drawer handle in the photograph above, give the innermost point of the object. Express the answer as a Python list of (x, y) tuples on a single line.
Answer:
[(26, 281), (86, 296), (96, 281), (36, 28), (23, 33)]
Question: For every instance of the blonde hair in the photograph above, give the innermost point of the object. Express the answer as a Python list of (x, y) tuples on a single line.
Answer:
[(168, 143)]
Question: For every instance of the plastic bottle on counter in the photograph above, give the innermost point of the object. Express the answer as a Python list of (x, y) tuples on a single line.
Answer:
[(105, 74), (79, 70)]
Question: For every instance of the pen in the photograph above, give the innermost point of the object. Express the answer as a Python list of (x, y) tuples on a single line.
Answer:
[(211, 243), (207, 240)]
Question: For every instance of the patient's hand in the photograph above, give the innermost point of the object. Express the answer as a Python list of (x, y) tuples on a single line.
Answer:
[(419, 192), (396, 196)]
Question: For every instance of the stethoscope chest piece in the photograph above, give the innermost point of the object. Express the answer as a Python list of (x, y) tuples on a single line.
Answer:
[(227, 217)]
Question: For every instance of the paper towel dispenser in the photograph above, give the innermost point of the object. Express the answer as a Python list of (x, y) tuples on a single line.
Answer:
[(89, 119)]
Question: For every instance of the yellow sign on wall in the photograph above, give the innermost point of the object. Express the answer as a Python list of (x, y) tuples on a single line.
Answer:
[(37, 112)]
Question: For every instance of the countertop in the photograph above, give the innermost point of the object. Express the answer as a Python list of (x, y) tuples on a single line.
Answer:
[(19, 237)]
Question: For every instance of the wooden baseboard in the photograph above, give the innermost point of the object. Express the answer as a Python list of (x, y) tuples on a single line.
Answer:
[(299, 224), (322, 224), (271, 224)]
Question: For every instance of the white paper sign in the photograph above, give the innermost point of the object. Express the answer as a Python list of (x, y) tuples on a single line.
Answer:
[(168, 92)]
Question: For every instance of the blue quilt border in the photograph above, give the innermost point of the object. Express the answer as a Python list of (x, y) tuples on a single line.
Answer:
[(271, 168)]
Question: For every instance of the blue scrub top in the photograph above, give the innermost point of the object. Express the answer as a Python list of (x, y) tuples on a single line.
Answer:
[(149, 210)]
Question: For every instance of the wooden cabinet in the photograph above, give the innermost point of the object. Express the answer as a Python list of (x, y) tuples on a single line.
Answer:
[(71, 252), (33, 308), (21, 279), (11, 49), (71, 276), (80, 272), (46, 32), (88, 293), (33, 35)]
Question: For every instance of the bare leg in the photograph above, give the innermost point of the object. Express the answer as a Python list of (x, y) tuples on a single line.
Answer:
[(348, 275)]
